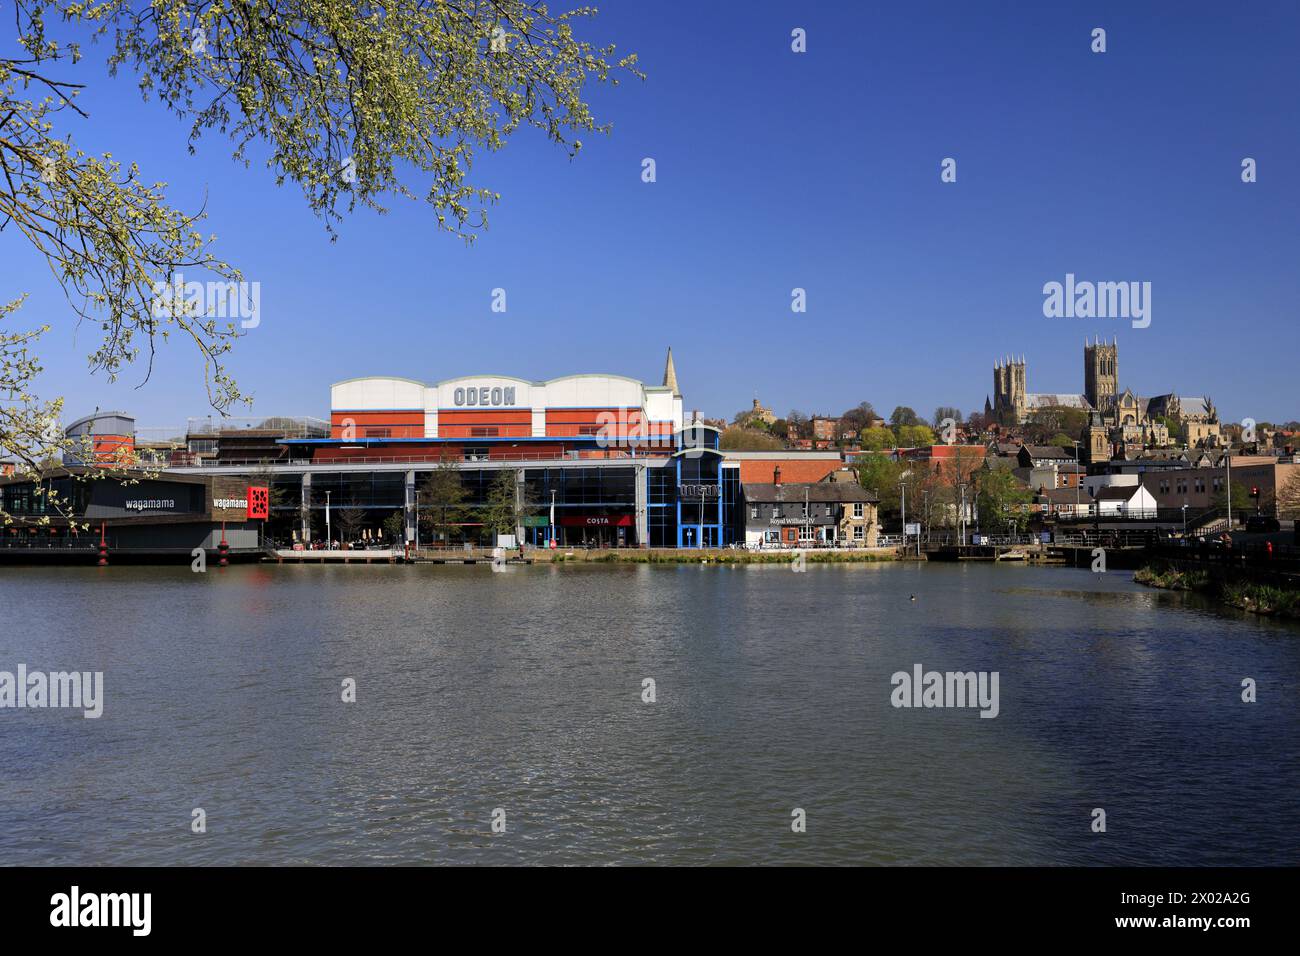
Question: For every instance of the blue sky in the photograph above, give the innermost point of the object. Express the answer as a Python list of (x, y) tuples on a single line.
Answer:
[(779, 170)]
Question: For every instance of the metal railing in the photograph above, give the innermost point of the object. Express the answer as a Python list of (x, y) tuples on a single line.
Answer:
[(47, 544), (1106, 537), (1283, 558), (573, 455)]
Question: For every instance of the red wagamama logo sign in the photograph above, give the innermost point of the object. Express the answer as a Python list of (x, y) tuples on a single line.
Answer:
[(259, 502)]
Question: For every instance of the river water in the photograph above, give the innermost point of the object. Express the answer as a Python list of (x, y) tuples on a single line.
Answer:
[(519, 695)]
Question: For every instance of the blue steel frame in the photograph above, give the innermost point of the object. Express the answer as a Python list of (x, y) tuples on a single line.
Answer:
[(715, 526)]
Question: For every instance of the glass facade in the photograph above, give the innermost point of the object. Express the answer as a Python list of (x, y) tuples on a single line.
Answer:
[(593, 506), (691, 501)]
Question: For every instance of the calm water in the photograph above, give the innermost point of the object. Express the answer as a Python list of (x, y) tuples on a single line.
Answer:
[(522, 691)]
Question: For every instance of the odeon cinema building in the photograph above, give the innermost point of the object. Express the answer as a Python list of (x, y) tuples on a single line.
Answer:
[(600, 460)]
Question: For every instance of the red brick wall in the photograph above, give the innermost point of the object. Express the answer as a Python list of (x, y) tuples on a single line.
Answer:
[(760, 470)]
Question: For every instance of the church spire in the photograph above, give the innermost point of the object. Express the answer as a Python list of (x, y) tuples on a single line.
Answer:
[(670, 373)]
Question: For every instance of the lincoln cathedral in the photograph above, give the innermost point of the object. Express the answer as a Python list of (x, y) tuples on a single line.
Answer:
[(1114, 417)]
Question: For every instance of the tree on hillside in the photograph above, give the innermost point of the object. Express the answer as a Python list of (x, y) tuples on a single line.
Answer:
[(881, 474), (1001, 500), (877, 439), (801, 423), (902, 415), (749, 439), (858, 417), (945, 412), (1045, 423), (355, 105), (1288, 498), (915, 436)]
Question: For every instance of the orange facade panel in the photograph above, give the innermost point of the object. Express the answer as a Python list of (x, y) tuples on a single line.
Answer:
[(612, 422), (484, 431), (382, 424), (487, 423), (487, 417)]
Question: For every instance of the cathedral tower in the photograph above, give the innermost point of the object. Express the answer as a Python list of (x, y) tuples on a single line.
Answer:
[(1101, 373), (1010, 403)]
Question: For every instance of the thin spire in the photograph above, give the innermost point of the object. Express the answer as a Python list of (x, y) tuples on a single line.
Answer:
[(670, 373)]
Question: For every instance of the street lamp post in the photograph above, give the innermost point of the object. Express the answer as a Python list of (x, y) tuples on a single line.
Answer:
[(961, 514), (1227, 458), (1076, 478), (902, 487), (1096, 512), (329, 538)]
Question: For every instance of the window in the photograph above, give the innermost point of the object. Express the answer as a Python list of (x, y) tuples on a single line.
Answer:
[(476, 452), (857, 511), (776, 511), (590, 429), (484, 431), (805, 532), (753, 512), (857, 532), (378, 433)]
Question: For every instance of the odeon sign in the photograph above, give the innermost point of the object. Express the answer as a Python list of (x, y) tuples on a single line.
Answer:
[(485, 395)]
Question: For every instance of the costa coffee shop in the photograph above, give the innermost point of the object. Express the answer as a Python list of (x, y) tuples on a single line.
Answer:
[(145, 517)]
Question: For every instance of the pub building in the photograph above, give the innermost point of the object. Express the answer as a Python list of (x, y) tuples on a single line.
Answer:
[(836, 511)]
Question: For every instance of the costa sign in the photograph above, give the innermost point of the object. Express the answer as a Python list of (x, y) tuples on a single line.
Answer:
[(596, 521)]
